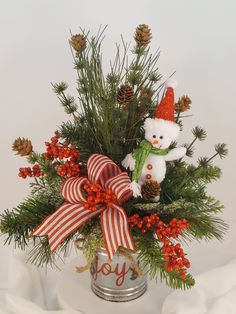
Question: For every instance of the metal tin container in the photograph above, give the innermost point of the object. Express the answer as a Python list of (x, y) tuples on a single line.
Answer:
[(116, 280)]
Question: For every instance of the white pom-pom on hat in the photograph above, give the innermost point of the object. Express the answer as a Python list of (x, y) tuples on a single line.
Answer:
[(171, 83)]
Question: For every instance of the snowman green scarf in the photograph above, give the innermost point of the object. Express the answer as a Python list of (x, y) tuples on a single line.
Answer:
[(140, 155)]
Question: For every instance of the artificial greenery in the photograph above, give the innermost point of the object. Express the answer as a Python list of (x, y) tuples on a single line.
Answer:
[(99, 123)]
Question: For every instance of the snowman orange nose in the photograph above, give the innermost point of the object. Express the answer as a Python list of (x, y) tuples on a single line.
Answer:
[(155, 142)]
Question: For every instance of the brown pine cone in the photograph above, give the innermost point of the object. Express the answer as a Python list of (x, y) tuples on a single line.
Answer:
[(78, 43), (124, 95), (150, 189), (143, 35), (22, 146), (183, 104)]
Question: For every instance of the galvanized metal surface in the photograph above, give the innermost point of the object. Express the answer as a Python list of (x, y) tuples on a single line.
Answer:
[(116, 280)]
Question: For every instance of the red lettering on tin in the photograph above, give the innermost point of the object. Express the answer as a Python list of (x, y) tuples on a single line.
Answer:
[(106, 269)]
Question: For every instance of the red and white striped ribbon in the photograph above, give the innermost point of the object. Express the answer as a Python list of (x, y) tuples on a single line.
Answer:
[(71, 215), (115, 230)]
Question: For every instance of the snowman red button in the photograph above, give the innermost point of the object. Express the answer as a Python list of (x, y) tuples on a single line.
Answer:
[(148, 176), (149, 166)]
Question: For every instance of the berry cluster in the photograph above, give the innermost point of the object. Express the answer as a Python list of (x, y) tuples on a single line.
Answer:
[(173, 253), (96, 195), (172, 230), (35, 171), (68, 169), (175, 258), (56, 150), (144, 223), (61, 151)]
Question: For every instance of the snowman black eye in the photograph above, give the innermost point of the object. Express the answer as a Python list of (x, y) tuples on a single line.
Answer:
[(161, 137), (154, 136)]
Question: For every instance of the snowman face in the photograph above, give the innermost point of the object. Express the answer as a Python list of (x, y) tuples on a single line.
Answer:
[(160, 133)]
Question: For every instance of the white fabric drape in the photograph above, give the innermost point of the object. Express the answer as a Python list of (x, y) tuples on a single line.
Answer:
[(214, 293), (30, 291)]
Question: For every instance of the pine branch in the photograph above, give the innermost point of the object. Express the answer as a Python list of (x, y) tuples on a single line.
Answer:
[(221, 150), (18, 224), (201, 216), (40, 255), (59, 88), (50, 173), (182, 178), (199, 133), (174, 281), (68, 102), (48, 189), (142, 68)]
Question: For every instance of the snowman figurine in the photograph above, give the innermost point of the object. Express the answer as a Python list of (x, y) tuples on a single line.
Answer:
[(148, 161)]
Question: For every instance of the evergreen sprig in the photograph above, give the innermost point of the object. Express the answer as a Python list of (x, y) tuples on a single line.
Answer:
[(67, 101), (221, 150), (59, 88), (20, 222), (50, 174), (199, 133)]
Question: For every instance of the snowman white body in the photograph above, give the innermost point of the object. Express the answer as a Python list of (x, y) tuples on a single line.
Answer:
[(157, 171), (160, 133)]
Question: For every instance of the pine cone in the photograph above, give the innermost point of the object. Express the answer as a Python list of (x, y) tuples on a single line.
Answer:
[(143, 35), (183, 104), (150, 189), (22, 146), (124, 95), (78, 42)]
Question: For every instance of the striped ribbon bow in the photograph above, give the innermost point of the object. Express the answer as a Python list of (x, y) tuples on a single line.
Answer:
[(72, 214)]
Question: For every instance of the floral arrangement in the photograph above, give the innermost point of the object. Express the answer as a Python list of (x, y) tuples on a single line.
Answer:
[(112, 176)]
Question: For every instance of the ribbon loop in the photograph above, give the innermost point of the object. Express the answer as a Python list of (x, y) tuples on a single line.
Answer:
[(72, 190), (101, 169), (120, 187)]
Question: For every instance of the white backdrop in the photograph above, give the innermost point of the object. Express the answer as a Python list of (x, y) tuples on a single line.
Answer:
[(197, 39)]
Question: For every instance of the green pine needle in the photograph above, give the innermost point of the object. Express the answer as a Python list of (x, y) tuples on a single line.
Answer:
[(59, 88), (203, 162), (199, 133), (221, 150), (154, 77), (189, 151)]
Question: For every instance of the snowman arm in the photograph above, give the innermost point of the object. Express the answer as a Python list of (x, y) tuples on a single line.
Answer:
[(128, 162), (136, 188), (175, 153)]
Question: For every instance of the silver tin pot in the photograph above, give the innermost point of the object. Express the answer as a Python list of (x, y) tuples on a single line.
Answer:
[(116, 280)]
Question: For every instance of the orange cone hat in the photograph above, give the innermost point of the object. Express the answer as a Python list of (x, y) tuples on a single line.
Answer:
[(166, 108)]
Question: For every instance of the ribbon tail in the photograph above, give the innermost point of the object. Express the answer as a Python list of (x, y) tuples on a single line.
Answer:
[(115, 230), (66, 219)]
